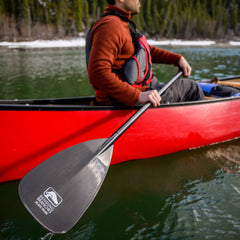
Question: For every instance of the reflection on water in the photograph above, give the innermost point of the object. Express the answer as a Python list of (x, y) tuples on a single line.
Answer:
[(48, 236), (46, 74), (188, 195), (181, 196), (227, 158)]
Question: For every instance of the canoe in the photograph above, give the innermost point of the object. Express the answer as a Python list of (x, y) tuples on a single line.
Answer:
[(34, 130)]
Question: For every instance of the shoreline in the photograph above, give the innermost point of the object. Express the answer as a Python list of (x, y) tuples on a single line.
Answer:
[(79, 43)]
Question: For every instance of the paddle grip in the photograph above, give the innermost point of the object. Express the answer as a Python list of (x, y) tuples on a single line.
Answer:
[(135, 116)]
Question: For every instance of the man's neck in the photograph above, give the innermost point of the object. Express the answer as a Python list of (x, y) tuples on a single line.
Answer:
[(119, 4)]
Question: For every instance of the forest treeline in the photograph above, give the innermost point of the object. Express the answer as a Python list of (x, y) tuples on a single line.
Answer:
[(183, 19)]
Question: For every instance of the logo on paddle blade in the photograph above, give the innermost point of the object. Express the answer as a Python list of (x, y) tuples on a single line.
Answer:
[(48, 201), (53, 197)]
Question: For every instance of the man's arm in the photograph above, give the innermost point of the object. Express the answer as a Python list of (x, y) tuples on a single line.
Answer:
[(166, 57)]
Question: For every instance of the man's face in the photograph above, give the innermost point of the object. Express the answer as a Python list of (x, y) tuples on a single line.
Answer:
[(132, 5)]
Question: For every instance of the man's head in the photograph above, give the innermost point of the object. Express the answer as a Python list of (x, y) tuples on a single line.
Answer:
[(127, 5)]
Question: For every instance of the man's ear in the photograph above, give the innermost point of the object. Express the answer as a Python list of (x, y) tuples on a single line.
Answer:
[(121, 1)]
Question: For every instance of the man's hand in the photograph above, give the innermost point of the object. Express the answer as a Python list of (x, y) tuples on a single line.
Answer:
[(183, 64), (150, 96)]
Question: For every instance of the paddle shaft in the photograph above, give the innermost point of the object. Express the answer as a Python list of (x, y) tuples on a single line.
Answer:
[(109, 142)]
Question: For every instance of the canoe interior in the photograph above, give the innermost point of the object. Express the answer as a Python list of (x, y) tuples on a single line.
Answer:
[(83, 103), (79, 101)]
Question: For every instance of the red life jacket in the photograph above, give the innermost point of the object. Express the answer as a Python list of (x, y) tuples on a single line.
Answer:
[(137, 70)]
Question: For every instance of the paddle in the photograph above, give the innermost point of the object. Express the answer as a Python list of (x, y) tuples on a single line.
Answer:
[(59, 190)]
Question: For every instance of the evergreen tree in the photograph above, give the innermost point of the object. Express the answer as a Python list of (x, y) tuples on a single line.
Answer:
[(167, 19), (77, 14), (235, 13), (1, 7), (86, 15)]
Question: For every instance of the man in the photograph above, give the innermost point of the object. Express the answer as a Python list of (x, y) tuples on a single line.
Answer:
[(112, 46)]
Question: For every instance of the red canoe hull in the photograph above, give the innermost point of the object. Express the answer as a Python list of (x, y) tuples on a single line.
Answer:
[(29, 136)]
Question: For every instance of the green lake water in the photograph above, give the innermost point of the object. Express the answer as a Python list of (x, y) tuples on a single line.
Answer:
[(190, 195)]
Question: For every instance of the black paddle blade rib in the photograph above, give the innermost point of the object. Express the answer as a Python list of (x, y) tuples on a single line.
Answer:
[(58, 191)]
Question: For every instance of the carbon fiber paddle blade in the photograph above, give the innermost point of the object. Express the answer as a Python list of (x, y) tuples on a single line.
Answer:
[(58, 191)]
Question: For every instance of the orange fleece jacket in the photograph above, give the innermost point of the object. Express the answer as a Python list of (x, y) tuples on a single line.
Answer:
[(111, 46)]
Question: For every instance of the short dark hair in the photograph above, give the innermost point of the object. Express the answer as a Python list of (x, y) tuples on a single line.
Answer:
[(111, 2)]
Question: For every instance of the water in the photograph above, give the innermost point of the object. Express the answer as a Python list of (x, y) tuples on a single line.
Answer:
[(43, 74), (193, 194), (51, 73)]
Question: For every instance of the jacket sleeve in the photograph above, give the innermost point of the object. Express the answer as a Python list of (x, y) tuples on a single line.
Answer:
[(163, 56)]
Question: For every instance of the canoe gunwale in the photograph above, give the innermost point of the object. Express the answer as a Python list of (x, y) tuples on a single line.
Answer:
[(57, 104)]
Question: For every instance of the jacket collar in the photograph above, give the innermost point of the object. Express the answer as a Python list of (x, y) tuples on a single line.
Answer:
[(110, 8)]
